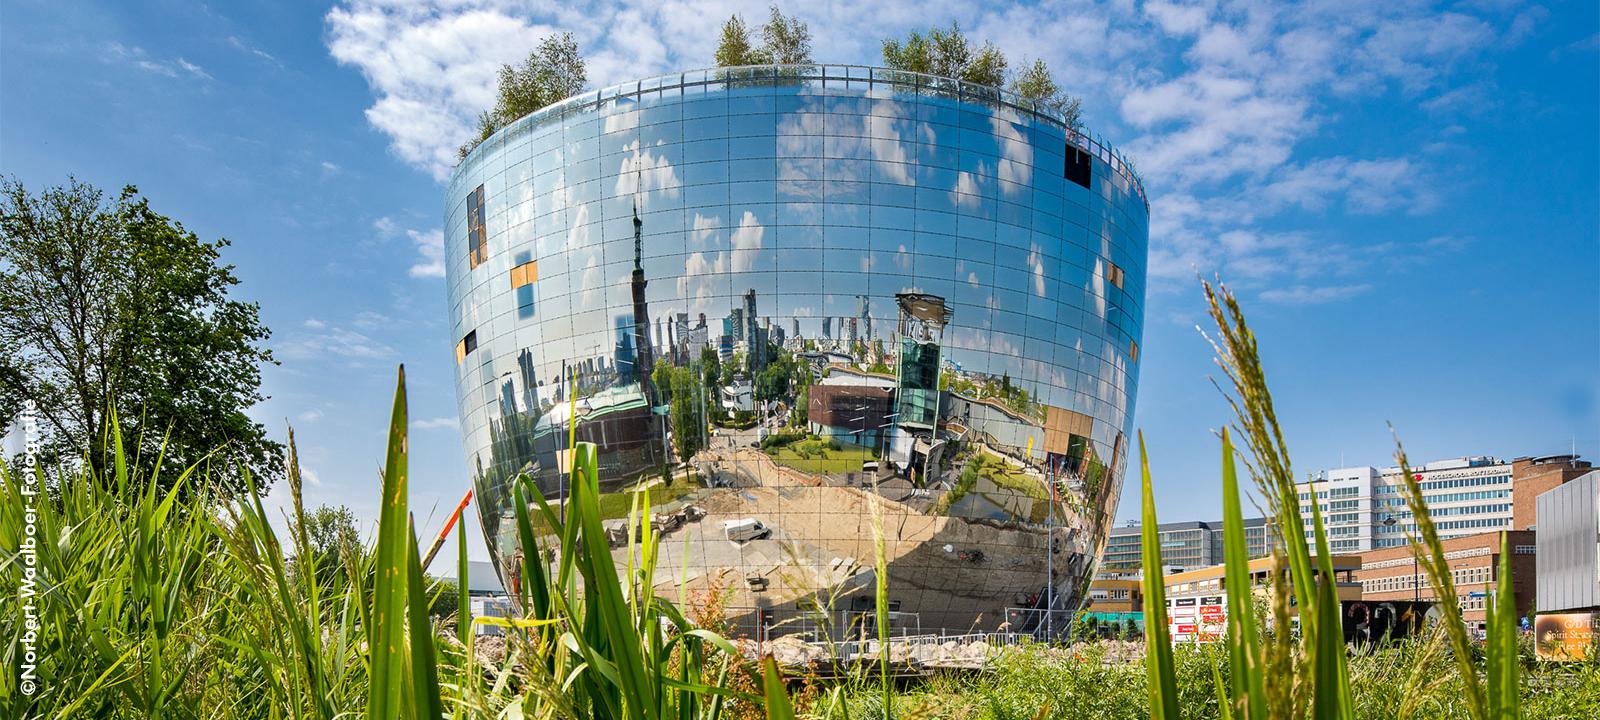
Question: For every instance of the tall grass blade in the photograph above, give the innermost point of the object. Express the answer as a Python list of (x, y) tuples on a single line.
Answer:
[(880, 568), (1323, 625), (1429, 554), (617, 634), (778, 705), (1504, 664), (463, 591), (387, 636), (1244, 642), (424, 670), (1159, 671)]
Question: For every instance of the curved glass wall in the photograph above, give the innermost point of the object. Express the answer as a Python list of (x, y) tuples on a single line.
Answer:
[(779, 296)]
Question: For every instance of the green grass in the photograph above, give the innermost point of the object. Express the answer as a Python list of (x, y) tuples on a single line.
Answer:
[(817, 456), (176, 603), (1081, 682), (150, 605), (616, 505)]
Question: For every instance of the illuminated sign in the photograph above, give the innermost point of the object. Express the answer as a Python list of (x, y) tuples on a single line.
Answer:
[(1565, 636)]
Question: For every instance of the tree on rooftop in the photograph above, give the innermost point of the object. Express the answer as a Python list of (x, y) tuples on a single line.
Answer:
[(784, 41), (735, 48), (1036, 83), (553, 72), (947, 53)]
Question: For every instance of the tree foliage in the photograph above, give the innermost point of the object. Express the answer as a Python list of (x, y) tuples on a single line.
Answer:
[(331, 536), (684, 389), (108, 304), (784, 41), (949, 53), (734, 48), (1036, 83), (553, 72), (946, 53)]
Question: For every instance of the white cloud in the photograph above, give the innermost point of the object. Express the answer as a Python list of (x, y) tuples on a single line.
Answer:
[(1217, 101), (309, 416), (136, 56), (324, 341), (438, 423), (245, 47), (1310, 295), (747, 242), (430, 248)]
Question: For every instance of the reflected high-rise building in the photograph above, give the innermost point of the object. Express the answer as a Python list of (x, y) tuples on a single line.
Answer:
[(925, 301)]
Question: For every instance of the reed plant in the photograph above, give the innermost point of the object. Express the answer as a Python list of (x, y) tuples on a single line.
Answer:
[(140, 602), (1277, 672), (147, 603)]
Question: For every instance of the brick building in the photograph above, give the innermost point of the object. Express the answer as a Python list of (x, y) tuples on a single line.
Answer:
[(1534, 476), (1391, 574)]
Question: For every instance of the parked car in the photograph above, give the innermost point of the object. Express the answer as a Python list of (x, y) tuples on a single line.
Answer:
[(745, 530)]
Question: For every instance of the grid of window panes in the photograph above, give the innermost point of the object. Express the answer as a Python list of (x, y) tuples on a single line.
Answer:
[(754, 240)]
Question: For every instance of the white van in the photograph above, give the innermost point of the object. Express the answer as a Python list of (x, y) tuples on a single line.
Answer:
[(745, 530)]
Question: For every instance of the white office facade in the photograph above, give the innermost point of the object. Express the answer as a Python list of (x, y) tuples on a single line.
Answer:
[(1364, 508)]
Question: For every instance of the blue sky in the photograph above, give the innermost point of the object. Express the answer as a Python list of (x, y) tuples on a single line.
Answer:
[(1406, 195)]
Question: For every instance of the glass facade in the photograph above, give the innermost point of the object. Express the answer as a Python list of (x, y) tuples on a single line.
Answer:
[(778, 297)]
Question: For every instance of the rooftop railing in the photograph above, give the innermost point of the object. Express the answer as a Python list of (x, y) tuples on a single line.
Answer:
[(847, 76)]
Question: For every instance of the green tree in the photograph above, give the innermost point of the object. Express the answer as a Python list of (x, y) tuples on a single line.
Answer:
[(688, 423), (784, 41), (710, 367), (734, 48), (1037, 84), (730, 370), (109, 304), (987, 67), (662, 377), (331, 534), (946, 53), (914, 54), (553, 72)]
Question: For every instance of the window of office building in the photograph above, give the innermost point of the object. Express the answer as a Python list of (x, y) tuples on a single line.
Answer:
[(467, 345), (522, 279), (1079, 167), (477, 236)]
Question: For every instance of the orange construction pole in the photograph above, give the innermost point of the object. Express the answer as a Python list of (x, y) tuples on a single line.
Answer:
[(448, 524)]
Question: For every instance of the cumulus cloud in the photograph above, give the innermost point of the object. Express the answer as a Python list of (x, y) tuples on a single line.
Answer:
[(430, 251), (1217, 102), (320, 340)]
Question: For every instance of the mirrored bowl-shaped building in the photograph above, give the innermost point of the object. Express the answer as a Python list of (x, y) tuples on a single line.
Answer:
[(778, 296)]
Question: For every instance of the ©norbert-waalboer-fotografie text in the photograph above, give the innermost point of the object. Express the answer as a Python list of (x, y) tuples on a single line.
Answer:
[(28, 591)]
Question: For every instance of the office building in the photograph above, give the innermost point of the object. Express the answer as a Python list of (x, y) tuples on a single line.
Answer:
[(1364, 508), (1197, 607), (1186, 545), (1569, 569), (1391, 575), (933, 224), (1569, 546)]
